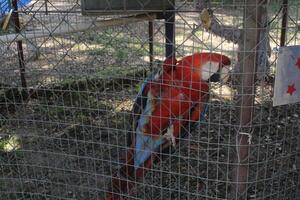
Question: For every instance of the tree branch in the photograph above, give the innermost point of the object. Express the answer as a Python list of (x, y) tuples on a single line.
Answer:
[(211, 23), (230, 33), (235, 35)]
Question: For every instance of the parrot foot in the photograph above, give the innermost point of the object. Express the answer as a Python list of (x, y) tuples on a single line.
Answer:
[(169, 135)]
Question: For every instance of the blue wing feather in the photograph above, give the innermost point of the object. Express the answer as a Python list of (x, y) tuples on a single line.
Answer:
[(144, 145)]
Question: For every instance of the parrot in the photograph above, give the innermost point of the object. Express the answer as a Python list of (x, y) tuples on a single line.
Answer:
[(166, 104)]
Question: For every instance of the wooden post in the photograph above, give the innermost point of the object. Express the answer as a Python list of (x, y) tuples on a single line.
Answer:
[(246, 94)]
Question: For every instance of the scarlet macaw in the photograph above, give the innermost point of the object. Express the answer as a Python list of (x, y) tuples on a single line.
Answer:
[(163, 109)]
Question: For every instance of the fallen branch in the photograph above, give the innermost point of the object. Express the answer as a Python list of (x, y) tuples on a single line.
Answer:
[(14, 94)]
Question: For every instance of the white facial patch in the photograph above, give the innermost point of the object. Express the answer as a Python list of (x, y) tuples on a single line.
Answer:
[(208, 69)]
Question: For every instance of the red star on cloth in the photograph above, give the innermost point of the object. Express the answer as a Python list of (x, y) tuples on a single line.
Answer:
[(298, 63), (291, 89)]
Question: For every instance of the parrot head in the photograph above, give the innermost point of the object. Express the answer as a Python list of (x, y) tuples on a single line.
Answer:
[(211, 67)]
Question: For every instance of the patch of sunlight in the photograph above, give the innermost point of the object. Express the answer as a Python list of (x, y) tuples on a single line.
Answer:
[(162, 58), (146, 58), (50, 79), (10, 143), (46, 67), (85, 47), (264, 94), (124, 105), (56, 41), (223, 92)]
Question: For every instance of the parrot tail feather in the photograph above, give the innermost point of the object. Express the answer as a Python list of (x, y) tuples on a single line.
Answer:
[(124, 180)]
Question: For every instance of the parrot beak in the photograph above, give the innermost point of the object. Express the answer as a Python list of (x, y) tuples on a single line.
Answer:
[(222, 75), (211, 71), (215, 77), (225, 73)]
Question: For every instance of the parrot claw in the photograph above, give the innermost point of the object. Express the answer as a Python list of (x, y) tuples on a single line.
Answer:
[(169, 135)]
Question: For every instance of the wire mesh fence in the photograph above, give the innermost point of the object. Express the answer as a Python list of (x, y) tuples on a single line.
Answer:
[(69, 85)]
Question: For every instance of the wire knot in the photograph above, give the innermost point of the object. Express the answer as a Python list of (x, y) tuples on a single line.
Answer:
[(249, 136)]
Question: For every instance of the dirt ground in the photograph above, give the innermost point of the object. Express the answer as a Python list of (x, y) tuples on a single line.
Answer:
[(66, 145)]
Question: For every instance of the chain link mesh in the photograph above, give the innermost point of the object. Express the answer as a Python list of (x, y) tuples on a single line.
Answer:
[(64, 135)]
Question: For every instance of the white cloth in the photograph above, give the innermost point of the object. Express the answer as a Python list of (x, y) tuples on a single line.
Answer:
[(287, 79)]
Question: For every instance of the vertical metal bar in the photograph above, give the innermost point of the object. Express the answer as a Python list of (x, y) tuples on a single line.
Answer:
[(19, 44), (46, 7), (284, 22), (170, 33), (246, 94), (150, 29)]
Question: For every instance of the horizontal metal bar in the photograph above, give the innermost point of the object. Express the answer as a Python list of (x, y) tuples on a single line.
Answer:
[(82, 26)]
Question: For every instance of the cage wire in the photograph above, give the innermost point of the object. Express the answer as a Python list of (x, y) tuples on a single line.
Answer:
[(69, 81)]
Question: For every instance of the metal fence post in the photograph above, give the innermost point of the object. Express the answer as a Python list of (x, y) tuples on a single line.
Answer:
[(151, 35), (284, 22), (170, 33), (19, 44)]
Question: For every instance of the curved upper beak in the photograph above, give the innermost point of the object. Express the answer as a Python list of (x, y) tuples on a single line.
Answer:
[(222, 75), (216, 76)]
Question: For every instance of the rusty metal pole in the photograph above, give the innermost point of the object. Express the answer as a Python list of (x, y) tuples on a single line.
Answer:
[(151, 35), (284, 22), (246, 94), (15, 16), (46, 7)]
